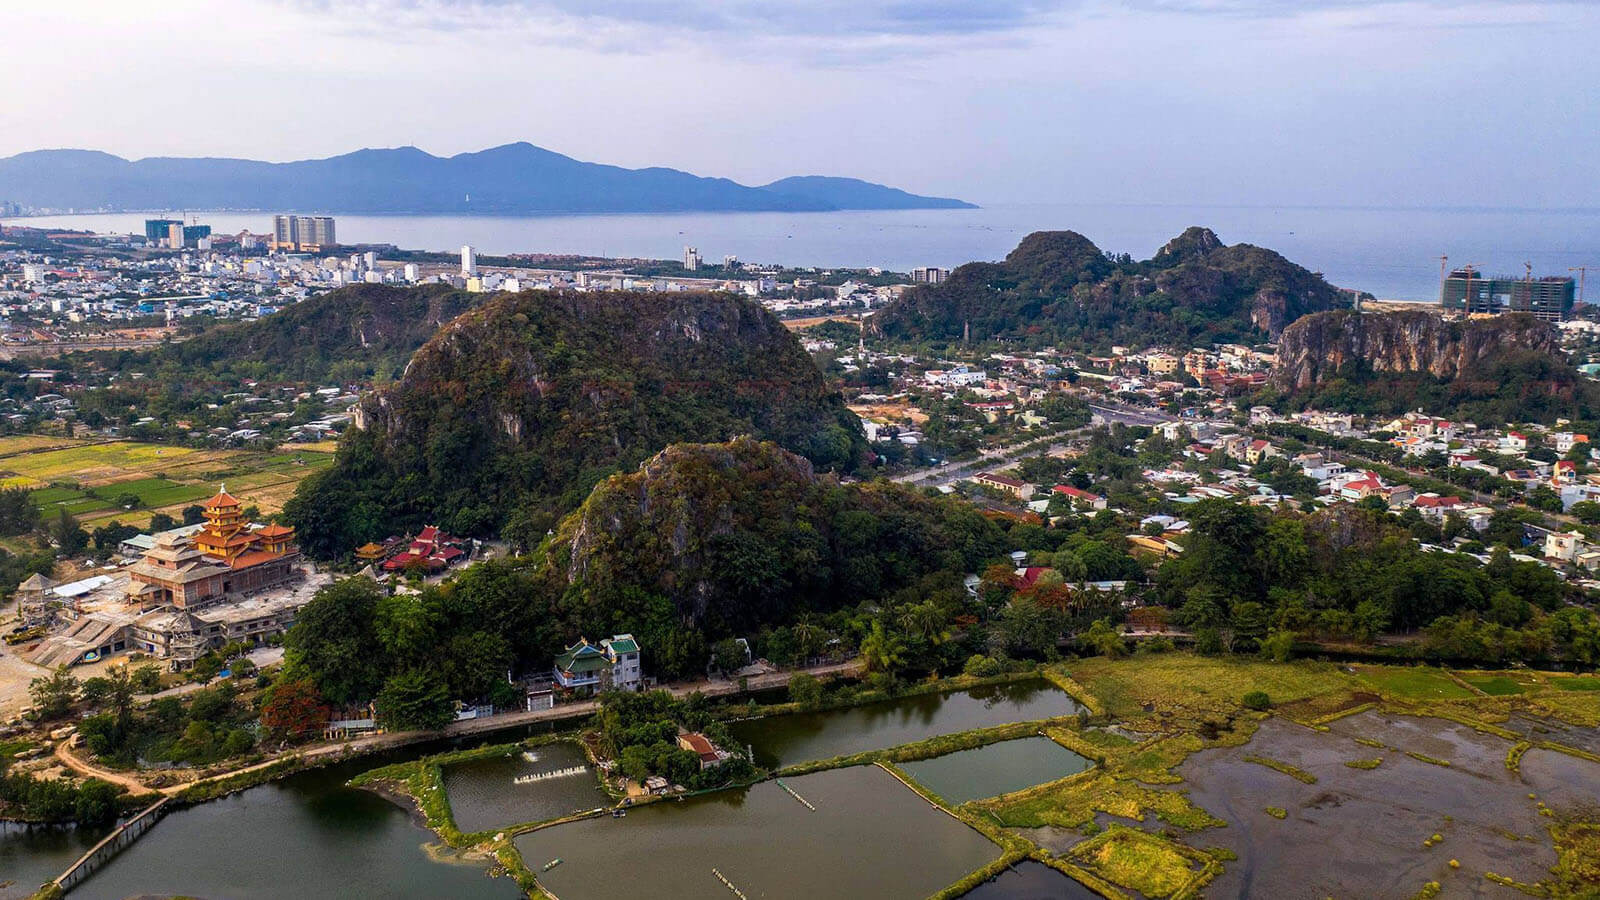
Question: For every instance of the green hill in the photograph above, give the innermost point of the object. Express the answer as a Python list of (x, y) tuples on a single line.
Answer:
[(1058, 287), (718, 539), (355, 333), (507, 417)]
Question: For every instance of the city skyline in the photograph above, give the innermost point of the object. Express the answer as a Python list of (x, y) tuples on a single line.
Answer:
[(1350, 102)]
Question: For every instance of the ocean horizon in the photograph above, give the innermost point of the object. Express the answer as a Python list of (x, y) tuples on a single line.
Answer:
[(1393, 253)]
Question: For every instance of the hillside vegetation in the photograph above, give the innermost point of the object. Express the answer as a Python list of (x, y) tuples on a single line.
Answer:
[(703, 543), (356, 333), (1057, 286), (726, 537), (510, 414)]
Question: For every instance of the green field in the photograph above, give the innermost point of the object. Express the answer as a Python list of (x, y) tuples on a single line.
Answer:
[(1413, 683), (1496, 685), (1580, 683), (86, 479)]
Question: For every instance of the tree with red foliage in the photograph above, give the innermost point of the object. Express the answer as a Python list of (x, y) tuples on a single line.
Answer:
[(295, 710)]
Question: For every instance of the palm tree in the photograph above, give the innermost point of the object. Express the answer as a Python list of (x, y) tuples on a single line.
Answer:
[(926, 620), (808, 636), (881, 651)]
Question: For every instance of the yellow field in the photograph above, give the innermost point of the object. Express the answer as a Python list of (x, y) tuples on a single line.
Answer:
[(84, 478), (17, 443)]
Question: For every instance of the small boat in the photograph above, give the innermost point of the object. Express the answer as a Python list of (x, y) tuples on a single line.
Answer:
[(552, 864)]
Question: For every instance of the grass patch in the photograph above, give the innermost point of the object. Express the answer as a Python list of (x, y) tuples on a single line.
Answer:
[(1073, 802), (1369, 742), (1297, 774), (1365, 763), (1496, 685), (1142, 862), (1277, 812), (1514, 755), (1431, 760), (1187, 686), (1577, 855), (1577, 683), (1414, 683)]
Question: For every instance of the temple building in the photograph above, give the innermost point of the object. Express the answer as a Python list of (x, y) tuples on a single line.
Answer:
[(227, 557)]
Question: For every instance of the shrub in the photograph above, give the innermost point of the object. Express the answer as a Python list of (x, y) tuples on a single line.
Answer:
[(981, 666), (1257, 700)]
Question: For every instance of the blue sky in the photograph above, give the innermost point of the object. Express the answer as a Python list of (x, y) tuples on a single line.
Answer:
[(1343, 102)]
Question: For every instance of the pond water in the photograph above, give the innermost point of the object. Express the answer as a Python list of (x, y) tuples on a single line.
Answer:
[(1360, 832), (30, 855), (307, 836), (484, 793), (1029, 880), (869, 836), (995, 769), (785, 740)]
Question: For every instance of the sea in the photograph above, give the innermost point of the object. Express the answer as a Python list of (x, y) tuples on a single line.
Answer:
[(1390, 253)]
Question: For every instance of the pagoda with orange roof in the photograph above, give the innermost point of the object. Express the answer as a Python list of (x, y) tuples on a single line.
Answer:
[(226, 556)]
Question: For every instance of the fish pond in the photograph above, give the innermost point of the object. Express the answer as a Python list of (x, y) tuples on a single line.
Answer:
[(533, 785), (1029, 880), (995, 769), (799, 737), (307, 836), (863, 834)]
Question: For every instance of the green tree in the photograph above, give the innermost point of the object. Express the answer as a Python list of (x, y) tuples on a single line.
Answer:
[(69, 537), (882, 651), (805, 690), (334, 642), (727, 655), (54, 694), (413, 701), (18, 514), (1103, 639), (1278, 645)]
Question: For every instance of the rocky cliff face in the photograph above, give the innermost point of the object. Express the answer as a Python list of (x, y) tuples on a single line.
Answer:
[(517, 408), (1314, 348)]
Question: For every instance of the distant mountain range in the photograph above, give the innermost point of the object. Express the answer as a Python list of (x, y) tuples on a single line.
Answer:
[(515, 179)]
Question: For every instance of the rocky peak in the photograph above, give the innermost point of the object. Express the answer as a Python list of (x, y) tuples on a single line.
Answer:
[(1195, 242), (1315, 347)]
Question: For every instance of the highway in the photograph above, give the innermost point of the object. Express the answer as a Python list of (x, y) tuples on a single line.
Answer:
[(955, 471)]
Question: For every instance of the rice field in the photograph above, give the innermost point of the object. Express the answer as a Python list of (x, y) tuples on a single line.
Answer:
[(88, 479)]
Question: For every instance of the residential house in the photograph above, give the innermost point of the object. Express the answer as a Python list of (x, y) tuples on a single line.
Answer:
[(612, 664), (1005, 484), (1257, 451), (1564, 441), (1079, 497), (1563, 545), (700, 745)]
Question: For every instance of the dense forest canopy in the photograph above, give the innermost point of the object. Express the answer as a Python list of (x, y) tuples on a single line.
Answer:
[(1058, 287), (506, 418), (705, 542)]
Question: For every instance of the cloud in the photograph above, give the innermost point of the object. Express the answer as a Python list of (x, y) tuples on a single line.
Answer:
[(775, 18)]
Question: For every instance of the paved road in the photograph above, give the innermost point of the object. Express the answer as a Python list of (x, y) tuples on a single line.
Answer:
[(375, 742), (956, 471)]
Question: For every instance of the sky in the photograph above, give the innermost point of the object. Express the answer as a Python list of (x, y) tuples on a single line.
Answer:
[(1247, 102)]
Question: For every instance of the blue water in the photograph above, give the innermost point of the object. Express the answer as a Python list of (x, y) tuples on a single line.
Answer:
[(1393, 253)]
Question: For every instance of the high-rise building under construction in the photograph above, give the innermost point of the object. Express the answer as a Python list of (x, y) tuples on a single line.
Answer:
[(1466, 291)]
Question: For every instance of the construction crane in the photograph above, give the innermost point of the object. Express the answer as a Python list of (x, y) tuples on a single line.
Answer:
[(1466, 291), (1582, 271)]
